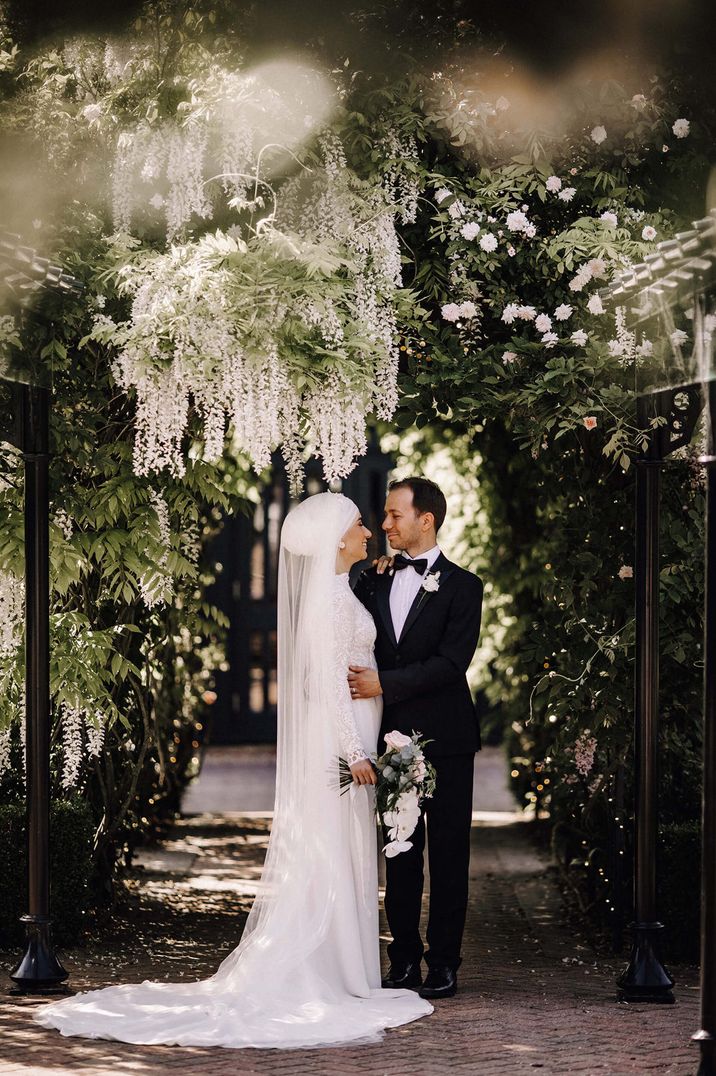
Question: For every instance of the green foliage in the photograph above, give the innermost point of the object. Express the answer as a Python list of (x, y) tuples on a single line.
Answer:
[(71, 836)]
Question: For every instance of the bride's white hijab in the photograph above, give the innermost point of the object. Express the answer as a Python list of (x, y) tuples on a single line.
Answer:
[(291, 911)]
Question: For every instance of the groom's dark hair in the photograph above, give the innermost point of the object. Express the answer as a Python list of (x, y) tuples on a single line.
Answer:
[(427, 497)]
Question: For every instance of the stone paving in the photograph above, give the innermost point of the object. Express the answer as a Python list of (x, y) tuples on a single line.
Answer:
[(533, 995)]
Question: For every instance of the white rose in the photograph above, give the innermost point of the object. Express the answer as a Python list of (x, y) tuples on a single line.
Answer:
[(579, 337), (488, 243), (553, 184), (396, 740), (648, 233), (563, 312), (594, 306), (470, 229), (598, 134), (543, 323), (681, 128), (567, 194), (609, 218), (451, 311)]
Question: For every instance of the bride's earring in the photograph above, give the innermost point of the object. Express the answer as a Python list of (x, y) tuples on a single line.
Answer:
[(341, 545)]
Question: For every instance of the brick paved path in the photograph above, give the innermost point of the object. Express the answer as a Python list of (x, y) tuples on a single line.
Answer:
[(533, 996)]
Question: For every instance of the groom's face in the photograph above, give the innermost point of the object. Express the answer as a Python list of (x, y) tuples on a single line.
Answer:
[(403, 526)]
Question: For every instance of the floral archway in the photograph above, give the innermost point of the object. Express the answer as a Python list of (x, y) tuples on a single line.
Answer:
[(276, 269)]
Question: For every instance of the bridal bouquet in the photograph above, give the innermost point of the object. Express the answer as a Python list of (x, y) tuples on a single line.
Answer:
[(405, 779)]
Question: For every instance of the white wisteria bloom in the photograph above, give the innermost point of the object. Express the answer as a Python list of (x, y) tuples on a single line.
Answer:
[(609, 218), (595, 305), (12, 612), (553, 184), (488, 243), (470, 230), (681, 128), (598, 134), (442, 194), (579, 337), (567, 194), (543, 323), (550, 339), (615, 347), (648, 233), (563, 312)]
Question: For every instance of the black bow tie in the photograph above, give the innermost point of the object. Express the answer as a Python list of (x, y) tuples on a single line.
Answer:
[(401, 562)]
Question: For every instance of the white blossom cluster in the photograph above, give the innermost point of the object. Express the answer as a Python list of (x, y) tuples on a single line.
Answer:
[(156, 584), (79, 726), (162, 167), (591, 270), (12, 611), (5, 748), (401, 184), (194, 338)]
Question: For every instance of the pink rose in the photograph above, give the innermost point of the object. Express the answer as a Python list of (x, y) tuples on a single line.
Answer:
[(396, 740)]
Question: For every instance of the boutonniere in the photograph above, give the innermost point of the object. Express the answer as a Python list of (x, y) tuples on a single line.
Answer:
[(431, 582)]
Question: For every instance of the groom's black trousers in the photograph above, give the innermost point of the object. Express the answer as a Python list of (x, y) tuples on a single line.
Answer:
[(447, 817)]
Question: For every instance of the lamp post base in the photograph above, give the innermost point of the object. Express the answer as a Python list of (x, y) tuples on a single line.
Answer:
[(708, 1052), (39, 971), (645, 979)]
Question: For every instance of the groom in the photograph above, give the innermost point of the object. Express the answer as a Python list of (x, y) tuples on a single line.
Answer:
[(427, 612)]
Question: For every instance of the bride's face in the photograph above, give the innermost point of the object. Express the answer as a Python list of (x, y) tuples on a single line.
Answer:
[(356, 544)]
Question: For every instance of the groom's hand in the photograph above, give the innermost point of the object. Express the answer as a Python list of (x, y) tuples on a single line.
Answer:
[(363, 682)]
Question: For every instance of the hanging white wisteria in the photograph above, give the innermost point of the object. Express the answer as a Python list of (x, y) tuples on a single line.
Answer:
[(12, 606), (288, 334)]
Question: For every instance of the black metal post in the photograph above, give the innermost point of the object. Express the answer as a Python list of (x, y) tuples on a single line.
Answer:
[(645, 979), (39, 971), (706, 1035)]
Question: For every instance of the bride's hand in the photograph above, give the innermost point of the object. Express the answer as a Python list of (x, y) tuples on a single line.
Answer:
[(364, 772), (383, 563)]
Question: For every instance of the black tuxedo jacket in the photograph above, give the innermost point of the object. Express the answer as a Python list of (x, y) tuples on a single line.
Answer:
[(422, 673)]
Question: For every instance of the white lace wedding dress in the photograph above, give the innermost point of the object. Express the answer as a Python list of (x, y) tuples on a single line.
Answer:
[(306, 973)]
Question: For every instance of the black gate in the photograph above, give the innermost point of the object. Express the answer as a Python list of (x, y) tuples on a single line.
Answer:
[(247, 549)]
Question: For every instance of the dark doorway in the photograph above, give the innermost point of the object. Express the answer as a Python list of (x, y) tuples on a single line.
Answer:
[(247, 550)]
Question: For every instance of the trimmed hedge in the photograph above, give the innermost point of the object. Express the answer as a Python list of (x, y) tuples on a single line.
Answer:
[(71, 839)]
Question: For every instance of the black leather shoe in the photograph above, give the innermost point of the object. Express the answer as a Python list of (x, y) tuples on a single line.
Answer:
[(403, 977), (440, 982)]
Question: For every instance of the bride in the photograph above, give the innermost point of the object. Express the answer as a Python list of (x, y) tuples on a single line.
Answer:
[(306, 971)]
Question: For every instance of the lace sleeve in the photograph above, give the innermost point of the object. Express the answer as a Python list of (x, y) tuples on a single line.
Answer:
[(351, 748)]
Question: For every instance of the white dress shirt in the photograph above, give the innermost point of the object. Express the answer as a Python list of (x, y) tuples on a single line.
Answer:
[(405, 586)]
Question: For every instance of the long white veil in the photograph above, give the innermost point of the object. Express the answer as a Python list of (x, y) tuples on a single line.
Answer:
[(289, 916)]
